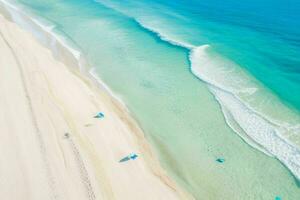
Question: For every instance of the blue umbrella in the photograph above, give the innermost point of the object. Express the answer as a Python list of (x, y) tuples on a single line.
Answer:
[(99, 115)]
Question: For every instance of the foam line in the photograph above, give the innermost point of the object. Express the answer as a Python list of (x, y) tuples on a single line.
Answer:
[(262, 130)]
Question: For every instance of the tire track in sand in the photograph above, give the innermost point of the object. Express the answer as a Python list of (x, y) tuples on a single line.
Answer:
[(82, 170)]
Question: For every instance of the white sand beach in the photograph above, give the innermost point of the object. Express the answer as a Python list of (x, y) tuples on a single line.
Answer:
[(41, 100)]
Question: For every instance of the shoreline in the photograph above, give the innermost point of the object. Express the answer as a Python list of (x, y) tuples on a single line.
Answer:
[(122, 112)]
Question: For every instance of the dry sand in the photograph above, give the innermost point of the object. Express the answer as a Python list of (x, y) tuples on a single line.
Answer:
[(41, 99)]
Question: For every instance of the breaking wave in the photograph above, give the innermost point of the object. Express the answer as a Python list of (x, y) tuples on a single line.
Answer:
[(248, 107)]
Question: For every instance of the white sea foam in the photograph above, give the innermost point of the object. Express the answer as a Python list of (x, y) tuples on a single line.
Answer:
[(260, 130), (58, 45), (44, 33), (227, 86), (164, 37)]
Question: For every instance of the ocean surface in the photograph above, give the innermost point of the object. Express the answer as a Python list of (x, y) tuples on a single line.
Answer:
[(204, 79)]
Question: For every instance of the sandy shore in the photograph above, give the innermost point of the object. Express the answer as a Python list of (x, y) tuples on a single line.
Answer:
[(41, 100)]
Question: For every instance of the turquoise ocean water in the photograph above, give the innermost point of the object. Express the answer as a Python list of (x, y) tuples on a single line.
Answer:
[(205, 80)]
